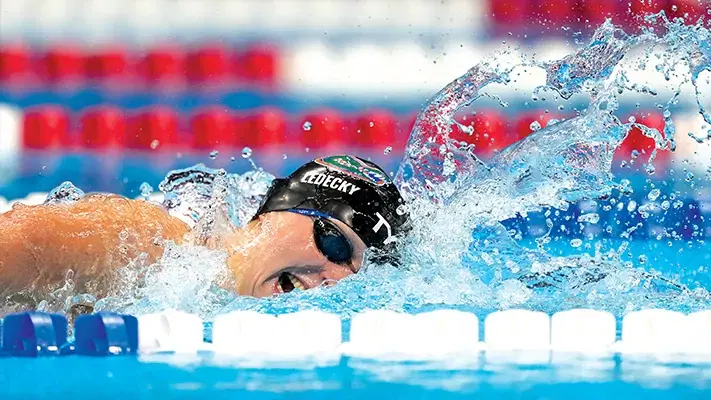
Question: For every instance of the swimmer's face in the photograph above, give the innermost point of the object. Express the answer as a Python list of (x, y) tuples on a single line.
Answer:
[(281, 255)]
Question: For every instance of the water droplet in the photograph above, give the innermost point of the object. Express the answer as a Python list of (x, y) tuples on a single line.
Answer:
[(689, 176), (634, 154), (284, 156), (307, 150), (535, 125), (371, 124), (214, 154), (643, 259), (232, 159), (653, 194), (155, 144), (146, 190), (387, 150), (674, 7), (576, 242), (631, 206), (650, 169), (591, 218), (246, 152), (307, 126), (64, 193)]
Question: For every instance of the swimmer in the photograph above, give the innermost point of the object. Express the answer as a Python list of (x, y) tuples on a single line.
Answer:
[(311, 228)]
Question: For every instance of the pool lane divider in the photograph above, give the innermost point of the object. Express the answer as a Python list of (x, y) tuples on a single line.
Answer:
[(33, 334), (521, 336)]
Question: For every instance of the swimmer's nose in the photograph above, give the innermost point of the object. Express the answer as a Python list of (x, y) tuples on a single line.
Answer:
[(336, 273)]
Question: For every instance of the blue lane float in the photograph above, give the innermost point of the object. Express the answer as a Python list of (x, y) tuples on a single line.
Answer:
[(31, 334), (106, 334)]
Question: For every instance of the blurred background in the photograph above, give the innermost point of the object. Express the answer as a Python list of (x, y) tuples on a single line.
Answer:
[(110, 94)]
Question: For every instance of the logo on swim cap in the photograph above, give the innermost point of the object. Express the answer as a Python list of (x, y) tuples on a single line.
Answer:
[(355, 168)]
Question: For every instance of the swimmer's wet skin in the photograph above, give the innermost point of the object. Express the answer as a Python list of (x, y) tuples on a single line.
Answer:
[(312, 228)]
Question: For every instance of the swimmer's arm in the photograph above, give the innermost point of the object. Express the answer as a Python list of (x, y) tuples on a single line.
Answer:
[(38, 244)]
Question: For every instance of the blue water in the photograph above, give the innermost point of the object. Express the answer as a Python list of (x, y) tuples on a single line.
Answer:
[(178, 377)]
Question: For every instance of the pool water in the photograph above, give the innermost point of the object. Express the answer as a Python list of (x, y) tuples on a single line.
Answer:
[(173, 376)]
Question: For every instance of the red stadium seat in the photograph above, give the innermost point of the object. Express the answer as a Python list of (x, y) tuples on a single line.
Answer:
[(213, 127), (153, 129), (102, 127), (262, 128), (595, 12), (14, 62), (322, 129), (162, 65), (489, 132), (636, 140), (375, 129), (107, 63), (46, 127), (207, 64), (62, 64), (258, 64)]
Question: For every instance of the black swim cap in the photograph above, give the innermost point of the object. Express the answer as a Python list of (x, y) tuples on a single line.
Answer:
[(352, 190)]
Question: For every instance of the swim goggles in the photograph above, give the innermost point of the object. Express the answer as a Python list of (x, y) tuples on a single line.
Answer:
[(329, 238)]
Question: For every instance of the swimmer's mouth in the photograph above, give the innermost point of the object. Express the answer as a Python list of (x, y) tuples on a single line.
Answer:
[(287, 282)]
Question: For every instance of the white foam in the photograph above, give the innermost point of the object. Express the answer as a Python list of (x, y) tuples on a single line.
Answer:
[(4, 205), (170, 331), (155, 197), (34, 198)]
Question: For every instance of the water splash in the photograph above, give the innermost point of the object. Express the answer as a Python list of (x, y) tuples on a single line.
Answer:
[(64, 193), (459, 253)]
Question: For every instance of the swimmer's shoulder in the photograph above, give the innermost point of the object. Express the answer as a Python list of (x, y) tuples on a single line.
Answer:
[(102, 210)]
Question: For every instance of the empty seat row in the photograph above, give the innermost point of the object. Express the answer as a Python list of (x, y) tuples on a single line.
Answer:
[(372, 334)]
